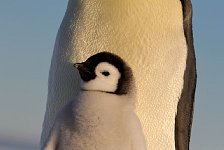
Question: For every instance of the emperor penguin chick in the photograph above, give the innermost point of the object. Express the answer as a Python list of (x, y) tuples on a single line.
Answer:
[(102, 117)]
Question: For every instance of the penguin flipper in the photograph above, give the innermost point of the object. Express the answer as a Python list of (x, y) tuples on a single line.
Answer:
[(184, 116)]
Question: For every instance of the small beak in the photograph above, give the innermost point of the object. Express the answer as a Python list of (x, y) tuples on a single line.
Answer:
[(81, 68), (78, 65), (84, 72)]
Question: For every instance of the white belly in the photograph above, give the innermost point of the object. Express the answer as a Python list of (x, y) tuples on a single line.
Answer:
[(149, 35), (106, 122)]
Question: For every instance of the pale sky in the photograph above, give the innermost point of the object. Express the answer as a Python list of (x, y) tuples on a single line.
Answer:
[(27, 34)]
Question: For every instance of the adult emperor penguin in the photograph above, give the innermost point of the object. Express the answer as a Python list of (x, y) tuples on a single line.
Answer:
[(155, 38), (102, 117)]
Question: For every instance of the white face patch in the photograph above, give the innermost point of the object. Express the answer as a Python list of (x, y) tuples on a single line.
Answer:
[(107, 77)]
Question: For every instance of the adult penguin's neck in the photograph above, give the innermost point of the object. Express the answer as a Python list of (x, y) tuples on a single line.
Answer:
[(130, 25)]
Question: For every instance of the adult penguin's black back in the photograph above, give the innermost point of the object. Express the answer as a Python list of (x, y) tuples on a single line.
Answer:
[(184, 117)]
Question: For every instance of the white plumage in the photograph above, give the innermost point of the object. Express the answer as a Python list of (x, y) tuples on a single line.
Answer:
[(101, 117)]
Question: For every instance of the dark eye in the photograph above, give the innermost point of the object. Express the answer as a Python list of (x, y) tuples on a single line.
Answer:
[(105, 73)]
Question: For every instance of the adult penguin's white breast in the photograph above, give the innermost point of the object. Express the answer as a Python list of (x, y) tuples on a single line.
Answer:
[(148, 34)]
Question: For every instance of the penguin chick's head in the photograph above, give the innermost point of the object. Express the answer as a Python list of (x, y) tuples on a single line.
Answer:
[(106, 72)]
